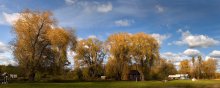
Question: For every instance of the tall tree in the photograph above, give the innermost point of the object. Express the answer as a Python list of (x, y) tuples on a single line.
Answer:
[(144, 49), (209, 68), (118, 46), (110, 66), (32, 46), (60, 39), (90, 55), (126, 49), (198, 67), (184, 67), (193, 67)]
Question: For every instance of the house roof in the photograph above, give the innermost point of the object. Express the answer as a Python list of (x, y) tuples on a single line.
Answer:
[(134, 72)]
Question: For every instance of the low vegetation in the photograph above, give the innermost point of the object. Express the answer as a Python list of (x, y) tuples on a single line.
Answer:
[(121, 84)]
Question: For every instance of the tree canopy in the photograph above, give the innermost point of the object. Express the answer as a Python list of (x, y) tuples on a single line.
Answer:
[(39, 44)]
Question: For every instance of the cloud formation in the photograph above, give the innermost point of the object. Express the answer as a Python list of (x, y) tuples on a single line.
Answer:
[(70, 56), (6, 60), (193, 41), (5, 55), (104, 8), (160, 38), (215, 54), (4, 48), (192, 52), (10, 18), (174, 57), (70, 2), (124, 22)]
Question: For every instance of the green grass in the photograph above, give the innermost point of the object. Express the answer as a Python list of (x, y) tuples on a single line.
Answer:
[(121, 84)]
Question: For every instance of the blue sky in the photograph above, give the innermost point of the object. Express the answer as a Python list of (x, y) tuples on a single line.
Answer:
[(184, 28)]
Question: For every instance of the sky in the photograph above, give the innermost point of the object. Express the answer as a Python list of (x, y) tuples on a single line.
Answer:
[(183, 28)]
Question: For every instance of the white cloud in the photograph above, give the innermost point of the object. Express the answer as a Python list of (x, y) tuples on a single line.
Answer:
[(10, 18), (159, 8), (195, 40), (6, 57), (6, 61), (70, 56), (215, 54), (187, 54), (192, 52), (160, 38), (208, 57), (4, 48), (92, 36), (104, 8), (124, 22), (175, 57), (86, 14), (83, 14), (70, 2)]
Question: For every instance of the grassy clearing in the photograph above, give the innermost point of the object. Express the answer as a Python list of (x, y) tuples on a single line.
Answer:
[(121, 84)]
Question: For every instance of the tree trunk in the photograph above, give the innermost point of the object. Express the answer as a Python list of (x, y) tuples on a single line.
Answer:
[(142, 77)]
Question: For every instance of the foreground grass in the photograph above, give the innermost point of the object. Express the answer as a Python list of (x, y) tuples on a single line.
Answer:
[(121, 84)]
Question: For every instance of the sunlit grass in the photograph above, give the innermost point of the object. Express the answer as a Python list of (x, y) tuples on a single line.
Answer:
[(121, 84)]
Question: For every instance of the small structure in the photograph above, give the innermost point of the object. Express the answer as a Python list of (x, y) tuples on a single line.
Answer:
[(4, 78), (13, 76), (103, 77), (179, 76), (134, 75)]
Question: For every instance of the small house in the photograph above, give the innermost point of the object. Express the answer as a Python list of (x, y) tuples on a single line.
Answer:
[(4, 78), (134, 75)]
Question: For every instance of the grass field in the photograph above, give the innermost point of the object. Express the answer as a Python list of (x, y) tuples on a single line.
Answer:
[(121, 84)]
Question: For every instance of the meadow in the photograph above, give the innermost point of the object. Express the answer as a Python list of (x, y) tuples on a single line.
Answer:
[(121, 84)]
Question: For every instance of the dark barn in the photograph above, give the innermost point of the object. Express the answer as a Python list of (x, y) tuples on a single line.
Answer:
[(134, 75)]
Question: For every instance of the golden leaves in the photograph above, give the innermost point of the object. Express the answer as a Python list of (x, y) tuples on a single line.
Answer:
[(185, 67), (58, 36), (88, 50), (139, 44)]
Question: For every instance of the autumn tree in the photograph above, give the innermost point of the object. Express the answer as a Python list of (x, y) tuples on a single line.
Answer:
[(144, 49), (118, 46), (89, 56), (184, 67), (35, 47), (127, 49), (198, 67), (192, 71), (209, 68), (196, 71), (60, 39), (162, 69), (110, 66)]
